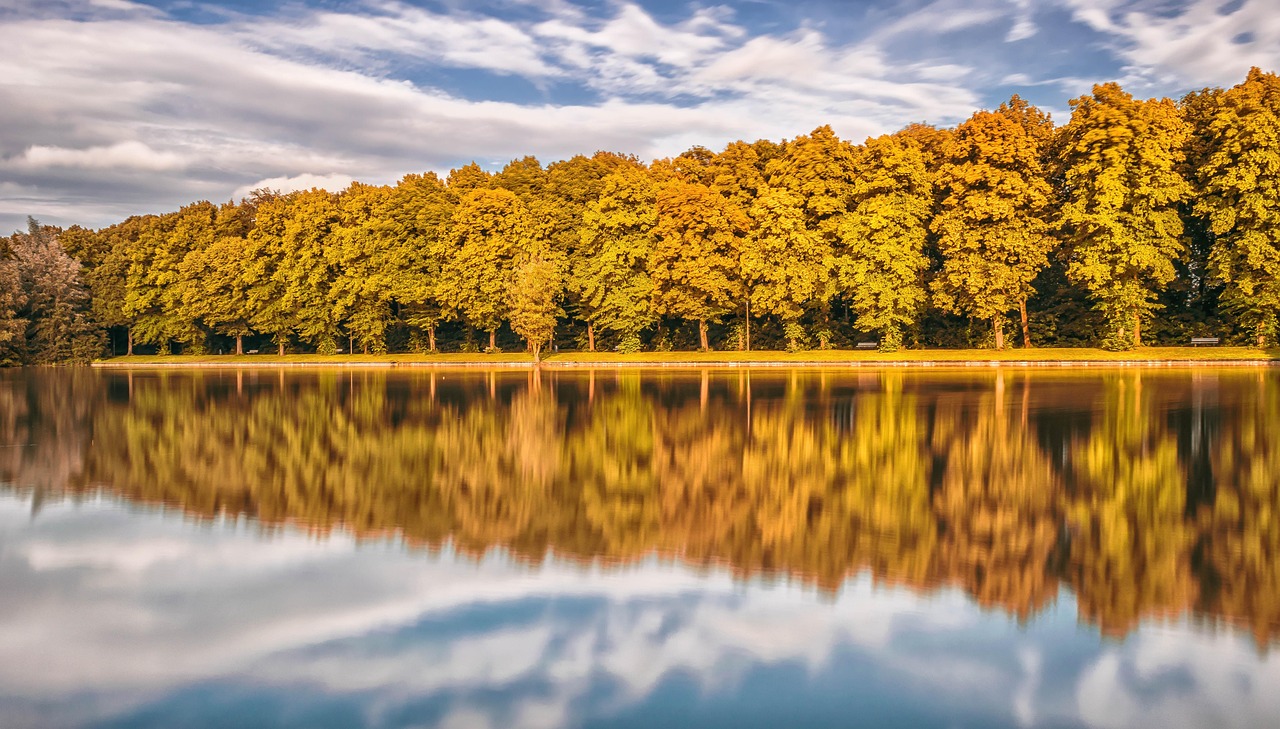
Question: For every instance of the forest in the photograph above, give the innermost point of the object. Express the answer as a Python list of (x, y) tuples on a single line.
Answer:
[(1020, 489), (1137, 221)]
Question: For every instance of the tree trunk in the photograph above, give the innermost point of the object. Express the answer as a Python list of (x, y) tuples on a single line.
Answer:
[(239, 344), (129, 332), (997, 323), (537, 352), (1137, 329), (1026, 329), (351, 344), (748, 323), (431, 337), (280, 346), (702, 334), (1262, 340), (493, 339), (591, 337)]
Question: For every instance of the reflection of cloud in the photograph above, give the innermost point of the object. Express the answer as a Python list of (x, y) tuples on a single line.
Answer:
[(128, 609), (1160, 679)]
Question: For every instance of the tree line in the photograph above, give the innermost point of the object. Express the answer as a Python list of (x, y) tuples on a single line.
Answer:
[(1138, 220), (1031, 486)]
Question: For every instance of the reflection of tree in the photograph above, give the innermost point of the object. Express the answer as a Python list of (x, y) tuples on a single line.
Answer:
[(919, 481), (997, 506), (1240, 535), (44, 427), (882, 504), (1129, 555)]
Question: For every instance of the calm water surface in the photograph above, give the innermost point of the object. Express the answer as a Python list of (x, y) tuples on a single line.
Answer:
[(990, 548)]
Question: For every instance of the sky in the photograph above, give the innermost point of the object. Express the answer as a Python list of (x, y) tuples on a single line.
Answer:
[(110, 108)]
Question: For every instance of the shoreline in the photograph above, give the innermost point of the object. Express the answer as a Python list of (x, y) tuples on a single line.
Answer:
[(1155, 357)]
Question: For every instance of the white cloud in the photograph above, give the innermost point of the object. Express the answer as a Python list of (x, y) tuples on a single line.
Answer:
[(1187, 46), (305, 181), (150, 113), (130, 155)]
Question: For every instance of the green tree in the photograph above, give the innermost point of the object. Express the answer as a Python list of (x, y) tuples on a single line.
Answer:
[(991, 228), (1240, 178), (881, 259), (1119, 212), (695, 259)]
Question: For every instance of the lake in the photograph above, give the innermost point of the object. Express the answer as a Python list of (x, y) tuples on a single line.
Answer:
[(982, 547)]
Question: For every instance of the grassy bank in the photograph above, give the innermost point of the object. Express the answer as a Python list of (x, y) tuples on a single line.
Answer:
[(1045, 355)]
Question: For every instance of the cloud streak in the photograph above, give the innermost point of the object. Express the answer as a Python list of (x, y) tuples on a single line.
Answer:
[(113, 108)]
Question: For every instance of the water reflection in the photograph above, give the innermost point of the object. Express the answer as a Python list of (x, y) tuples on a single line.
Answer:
[(1148, 495)]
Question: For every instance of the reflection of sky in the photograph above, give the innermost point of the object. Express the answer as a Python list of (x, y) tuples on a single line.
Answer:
[(110, 617)]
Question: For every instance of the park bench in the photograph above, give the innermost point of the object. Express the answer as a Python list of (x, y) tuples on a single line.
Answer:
[(866, 345), (252, 351), (1206, 341)]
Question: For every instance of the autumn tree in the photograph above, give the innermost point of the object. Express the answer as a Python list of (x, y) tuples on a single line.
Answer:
[(12, 300), (217, 274), (362, 250), (1240, 178), (265, 267), (490, 234), (306, 272), (881, 257), (818, 169), (158, 296), (45, 318), (991, 228), (419, 213), (1118, 215), (784, 263), (533, 303), (695, 259), (611, 273)]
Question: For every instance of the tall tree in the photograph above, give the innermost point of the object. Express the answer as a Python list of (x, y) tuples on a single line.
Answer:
[(695, 260), (156, 291), (218, 273), (365, 265), (992, 231), (419, 214), (53, 306), (612, 270), (1240, 178), (784, 263), (12, 300), (533, 303), (491, 235), (305, 274), (881, 257), (1121, 189), (818, 169), (265, 270)]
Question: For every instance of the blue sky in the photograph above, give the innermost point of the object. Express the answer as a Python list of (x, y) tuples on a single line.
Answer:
[(113, 107)]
